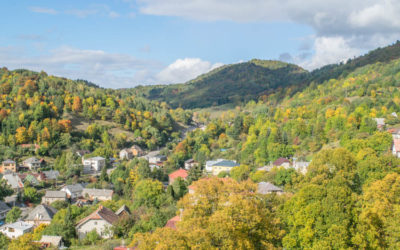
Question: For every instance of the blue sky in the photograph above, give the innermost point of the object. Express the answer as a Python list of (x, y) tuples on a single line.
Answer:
[(123, 43)]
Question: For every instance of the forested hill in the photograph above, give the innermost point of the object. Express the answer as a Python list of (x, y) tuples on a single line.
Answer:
[(239, 83), (236, 83)]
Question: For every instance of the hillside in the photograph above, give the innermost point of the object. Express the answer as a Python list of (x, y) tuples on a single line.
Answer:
[(236, 83)]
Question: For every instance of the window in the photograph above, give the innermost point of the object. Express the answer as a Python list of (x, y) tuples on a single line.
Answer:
[(95, 222)]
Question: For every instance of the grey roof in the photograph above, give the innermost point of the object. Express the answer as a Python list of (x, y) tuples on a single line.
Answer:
[(97, 192), (32, 160), (96, 158), (4, 207), (13, 180), (42, 212), (226, 163), (52, 174), (122, 209), (267, 187), (55, 194), (53, 240), (75, 187), (19, 225), (8, 161)]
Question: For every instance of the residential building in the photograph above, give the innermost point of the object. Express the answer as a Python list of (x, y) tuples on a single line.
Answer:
[(380, 123), (81, 153), (14, 181), (190, 164), (137, 151), (3, 210), (30, 178), (51, 174), (50, 241), (74, 191), (171, 223), (220, 165), (396, 147), (125, 154), (157, 158), (101, 220), (268, 188), (123, 211), (8, 166), (52, 196), (95, 163), (281, 162), (301, 166), (16, 229), (41, 214), (32, 163), (97, 194), (182, 173)]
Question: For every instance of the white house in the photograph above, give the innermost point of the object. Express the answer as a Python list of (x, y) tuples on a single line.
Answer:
[(94, 163), (190, 164), (157, 158), (268, 188), (16, 229), (32, 163), (125, 154), (301, 166), (396, 147), (101, 220), (98, 194), (74, 191), (50, 241), (209, 164), (3, 210), (52, 196), (42, 214)]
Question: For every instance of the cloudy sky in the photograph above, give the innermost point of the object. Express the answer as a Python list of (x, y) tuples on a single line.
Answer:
[(124, 43)]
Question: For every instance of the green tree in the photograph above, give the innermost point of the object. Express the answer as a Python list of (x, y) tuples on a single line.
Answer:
[(13, 215)]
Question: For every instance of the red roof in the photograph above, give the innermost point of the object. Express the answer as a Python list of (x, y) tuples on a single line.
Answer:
[(172, 222), (280, 161), (179, 173), (396, 143)]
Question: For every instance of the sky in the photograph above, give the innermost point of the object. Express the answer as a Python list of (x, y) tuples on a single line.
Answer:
[(125, 43)]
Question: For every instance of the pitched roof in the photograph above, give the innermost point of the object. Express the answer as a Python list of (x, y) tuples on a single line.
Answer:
[(280, 161), (4, 207), (52, 174), (42, 212), (31, 160), (96, 158), (122, 209), (267, 187), (172, 222), (19, 225), (102, 213), (75, 187), (55, 194), (396, 144), (226, 163), (13, 180), (53, 240), (179, 173), (97, 192)]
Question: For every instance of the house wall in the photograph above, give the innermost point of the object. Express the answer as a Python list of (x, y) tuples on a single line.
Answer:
[(218, 169), (100, 226), (15, 234), (3, 214), (48, 201)]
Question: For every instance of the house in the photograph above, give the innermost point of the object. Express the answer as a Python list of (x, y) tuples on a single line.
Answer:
[(125, 154), (94, 163), (396, 147), (74, 191), (380, 123), (52, 196), (123, 211), (101, 220), (281, 162), (41, 214), (3, 210), (268, 188), (8, 165), (137, 151), (173, 221), (51, 174), (222, 166), (178, 173), (16, 229), (98, 194), (157, 158), (50, 241), (190, 164), (266, 168), (32, 163), (301, 166), (14, 181), (30, 178)]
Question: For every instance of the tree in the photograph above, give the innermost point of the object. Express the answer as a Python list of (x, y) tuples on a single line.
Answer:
[(13, 215), (77, 104), (179, 188), (31, 194), (21, 135), (148, 193), (5, 189), (92, 237), (240, 173), (23, 242), (4, 241)]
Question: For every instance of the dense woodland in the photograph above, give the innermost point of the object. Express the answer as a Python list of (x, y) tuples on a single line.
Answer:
[(349, 197)]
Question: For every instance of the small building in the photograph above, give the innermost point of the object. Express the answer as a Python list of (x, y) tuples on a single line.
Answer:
[(51, 174), (223, 166), (14, 181), (173, 221), (41, 214), (396, 147), (380, 123), (50, 241), (125, 154), (4, 209), (137, 151), (268, 188), (157, 158), (52, 196), (95, 163), (97, 194), (16, 229), (301, 166), (8, 166), (74, 191), (32, 179), (281, 162), (182, 173), (32, 163), (123, 211), (101, 220), (190, 164)]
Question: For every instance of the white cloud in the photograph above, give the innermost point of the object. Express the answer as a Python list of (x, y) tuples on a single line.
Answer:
[(183, 70), (43, 10), (113, 14)]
